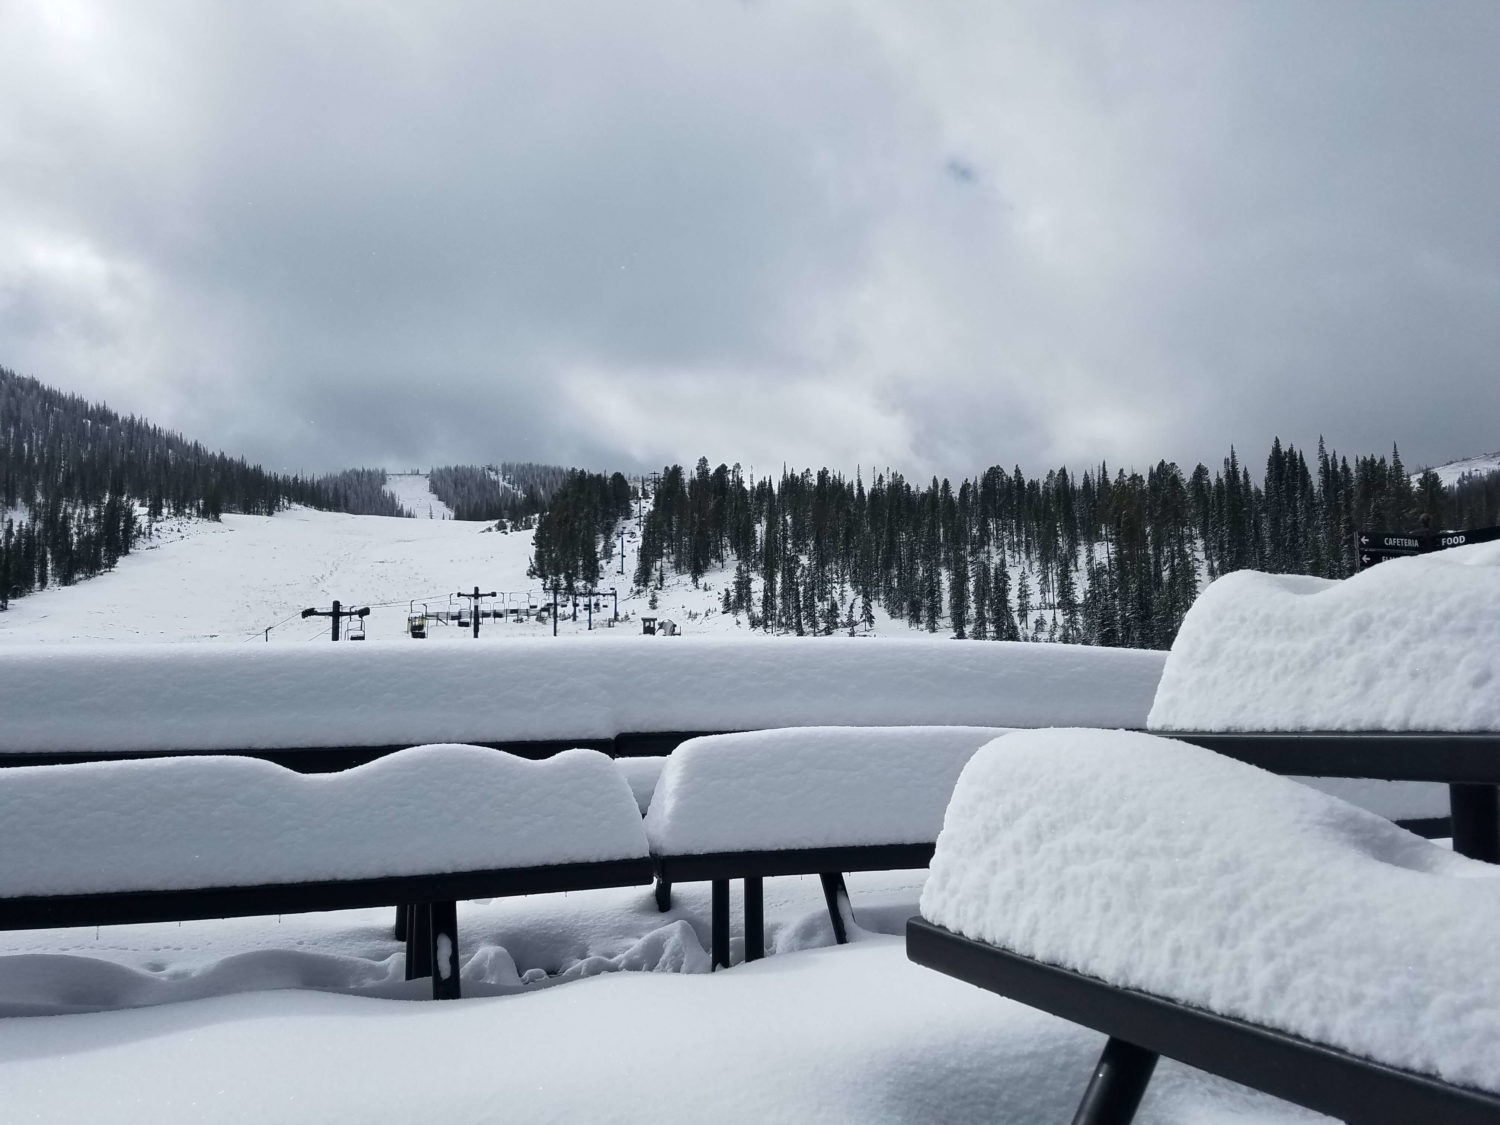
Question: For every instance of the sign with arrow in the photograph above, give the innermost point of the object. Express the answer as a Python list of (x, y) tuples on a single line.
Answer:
[(1407, 543), (1373, 547)]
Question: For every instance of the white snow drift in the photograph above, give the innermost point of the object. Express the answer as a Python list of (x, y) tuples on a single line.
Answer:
[(1159, 866), (173, 823), (166, 697), (1407, 645), (816, 787)]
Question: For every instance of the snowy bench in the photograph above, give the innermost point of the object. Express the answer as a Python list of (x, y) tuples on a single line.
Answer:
[(1186, 905), (801, 801), (185, 838)]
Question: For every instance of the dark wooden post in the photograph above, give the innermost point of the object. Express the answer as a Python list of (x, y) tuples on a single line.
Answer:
[(719, 925), (755, 918), (419, 941), (444, 963), (1119, 1082)]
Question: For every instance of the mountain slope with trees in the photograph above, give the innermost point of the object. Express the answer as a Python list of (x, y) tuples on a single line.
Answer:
[(1098, 558), (75, 477)]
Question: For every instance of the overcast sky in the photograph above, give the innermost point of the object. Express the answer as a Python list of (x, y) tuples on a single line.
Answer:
[(935, 236)]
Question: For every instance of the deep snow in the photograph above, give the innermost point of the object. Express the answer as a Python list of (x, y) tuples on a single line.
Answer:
[(124, 697), (853, 1034), (815, 787), (1407, 645)]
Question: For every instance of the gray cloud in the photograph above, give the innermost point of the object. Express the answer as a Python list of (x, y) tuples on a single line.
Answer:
[(934, 237)]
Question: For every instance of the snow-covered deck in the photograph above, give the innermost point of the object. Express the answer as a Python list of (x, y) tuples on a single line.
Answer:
[(820, 1033)]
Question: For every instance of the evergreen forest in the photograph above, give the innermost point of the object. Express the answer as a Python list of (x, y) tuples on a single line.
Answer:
[(1101, 557), (513, 491)]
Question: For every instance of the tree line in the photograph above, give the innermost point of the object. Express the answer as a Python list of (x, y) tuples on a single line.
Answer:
[(1094, 558), (513, 491)]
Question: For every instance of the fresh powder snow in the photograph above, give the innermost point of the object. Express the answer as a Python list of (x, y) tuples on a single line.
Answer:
[(1160, 866), (1407, 645), (817, 787), (849, 1034), (175, 823), (168, 697)]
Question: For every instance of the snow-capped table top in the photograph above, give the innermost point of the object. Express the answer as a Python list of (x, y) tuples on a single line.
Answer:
[(1156, 865), (179, 823), (809, 787), (168, 697), (1411, 644)]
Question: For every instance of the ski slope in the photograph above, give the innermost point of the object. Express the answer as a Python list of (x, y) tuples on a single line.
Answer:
[(1451, 473), (247, 578), (413, 493)]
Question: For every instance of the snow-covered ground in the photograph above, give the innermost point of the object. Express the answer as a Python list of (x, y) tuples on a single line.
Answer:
[(1453, 471), (812, 1033)]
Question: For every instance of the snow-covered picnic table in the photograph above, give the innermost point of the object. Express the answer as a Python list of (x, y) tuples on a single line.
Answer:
[(1189, 905), (1392, 676)]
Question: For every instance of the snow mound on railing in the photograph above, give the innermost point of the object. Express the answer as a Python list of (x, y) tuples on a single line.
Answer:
[(179, 823), (1407, 645), (1156, 865), (813, 787), (178, 697)]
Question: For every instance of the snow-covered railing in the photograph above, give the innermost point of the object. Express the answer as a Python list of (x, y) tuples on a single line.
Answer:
[(1188, 906), (332, 706), (814, 800), (182, 838)]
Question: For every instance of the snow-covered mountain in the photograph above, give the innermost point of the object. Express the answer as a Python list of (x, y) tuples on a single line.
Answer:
[(1453, 471)]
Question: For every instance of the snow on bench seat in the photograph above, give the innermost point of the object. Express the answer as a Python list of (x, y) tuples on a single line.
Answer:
[(808, 787), (1405, 646), (190, 823), (1158, 866), (124, 698)]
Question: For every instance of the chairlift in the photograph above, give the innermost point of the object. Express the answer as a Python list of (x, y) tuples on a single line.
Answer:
[(356, 630), (416, 625)]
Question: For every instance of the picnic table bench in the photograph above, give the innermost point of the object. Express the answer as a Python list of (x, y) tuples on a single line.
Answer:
[(183, 839)]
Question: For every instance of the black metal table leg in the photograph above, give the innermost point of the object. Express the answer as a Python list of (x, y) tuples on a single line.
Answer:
[(401, 923), (719, 924), (837, 897), (419, 941), (1476, 821), (1119, 1082), (663, 892), (755, 918), (444, 962)]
